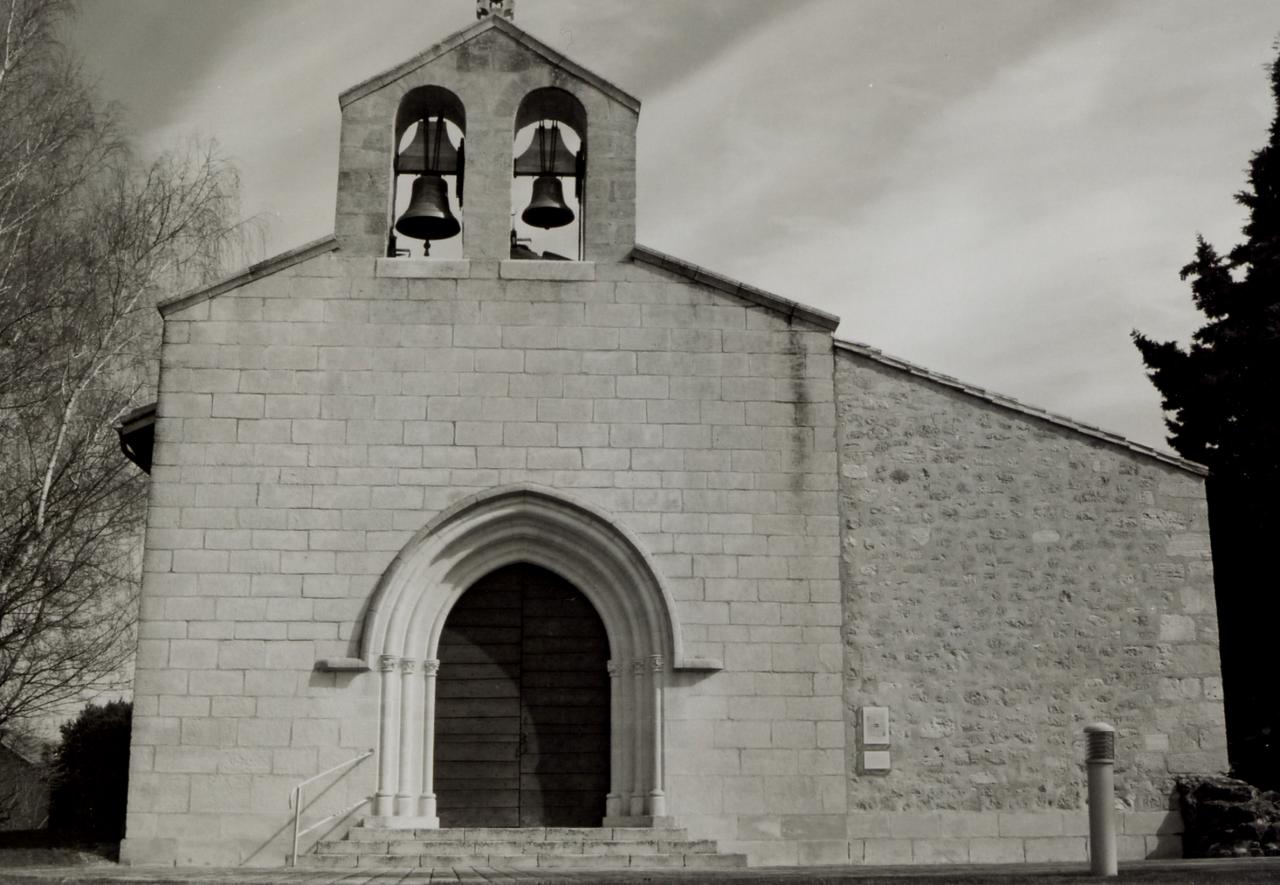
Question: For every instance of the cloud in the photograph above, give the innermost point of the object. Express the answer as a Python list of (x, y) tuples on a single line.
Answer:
[(997, 191), (1004, 205)]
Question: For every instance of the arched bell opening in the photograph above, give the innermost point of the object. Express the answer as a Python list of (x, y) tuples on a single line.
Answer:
[(406, 637), (428, 175), (522, 705), (548, 189)]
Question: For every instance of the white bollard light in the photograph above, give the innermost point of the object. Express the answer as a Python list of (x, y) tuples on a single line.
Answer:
[(1100, 755)]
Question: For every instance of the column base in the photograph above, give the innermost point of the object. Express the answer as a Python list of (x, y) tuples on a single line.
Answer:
[(402, 822), (649, 821)]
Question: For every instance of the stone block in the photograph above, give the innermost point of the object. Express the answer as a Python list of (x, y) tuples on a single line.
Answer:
[(792, 794), (887, 851), (743, 795), (193, 654), (182, 705), (940, 851), (221, 792), (823, 853), (1031, 823), (1056, 849), (186, 760), (868, 825), (158, 793), (764, 854), (315, 733), (991, 850), (157, 682), (815, 827), (208, 732), (238, 760), (706, 760), (968, 824), (216, 682), (1148, 823), (731, 733), (263, 732)]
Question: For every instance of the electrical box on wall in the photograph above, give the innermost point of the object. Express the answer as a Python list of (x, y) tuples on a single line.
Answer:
[(875, 760), (875, 727), (875, 739)]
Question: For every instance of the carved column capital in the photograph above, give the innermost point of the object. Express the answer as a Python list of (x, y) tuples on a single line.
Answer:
[(614, 668), (431, 666), (387, 663), (655, 663), (410, 666), (638, 666)]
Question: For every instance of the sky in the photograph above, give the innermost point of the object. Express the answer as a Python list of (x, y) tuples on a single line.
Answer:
[(998, 190)]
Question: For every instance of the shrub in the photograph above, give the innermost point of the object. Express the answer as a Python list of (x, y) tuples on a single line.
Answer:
[(91, 773)]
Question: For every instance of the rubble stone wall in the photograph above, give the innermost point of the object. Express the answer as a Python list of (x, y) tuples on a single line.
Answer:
[(1006, 582)]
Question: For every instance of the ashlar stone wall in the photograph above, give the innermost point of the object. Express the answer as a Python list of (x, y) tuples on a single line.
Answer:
[(311, 421), (1006, 581)]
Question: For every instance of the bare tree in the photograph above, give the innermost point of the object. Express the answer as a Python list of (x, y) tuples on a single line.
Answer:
[(90, 238)]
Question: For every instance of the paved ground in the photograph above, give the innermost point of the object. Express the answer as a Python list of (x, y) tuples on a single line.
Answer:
[(1180, 872)]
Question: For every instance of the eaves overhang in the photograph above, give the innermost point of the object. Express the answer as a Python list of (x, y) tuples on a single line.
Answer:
[(452, 42), (253, 272), (137, 432), (792, 310)]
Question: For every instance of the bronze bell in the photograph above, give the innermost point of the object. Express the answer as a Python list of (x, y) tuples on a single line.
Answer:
[(547, 154), (428, 216), (547, 208), (430, 152)]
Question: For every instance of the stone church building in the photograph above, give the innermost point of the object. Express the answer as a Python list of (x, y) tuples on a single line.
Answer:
[(580, 538)]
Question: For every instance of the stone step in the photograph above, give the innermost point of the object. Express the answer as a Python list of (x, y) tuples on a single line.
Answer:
[(591, 848), (698, 861), (519, 834)]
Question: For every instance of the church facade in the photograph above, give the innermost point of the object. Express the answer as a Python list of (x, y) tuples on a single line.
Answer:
[(611, 540)]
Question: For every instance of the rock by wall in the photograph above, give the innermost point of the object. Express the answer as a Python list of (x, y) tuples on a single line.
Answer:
[(1007, 581)]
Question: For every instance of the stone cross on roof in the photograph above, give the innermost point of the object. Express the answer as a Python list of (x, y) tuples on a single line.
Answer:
[(504, 8)]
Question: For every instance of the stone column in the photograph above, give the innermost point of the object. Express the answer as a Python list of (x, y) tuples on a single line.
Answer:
[(617, 733), (410, 737), (430, 668), (638, 729), (626, 734), (657, 798), (388, 733)]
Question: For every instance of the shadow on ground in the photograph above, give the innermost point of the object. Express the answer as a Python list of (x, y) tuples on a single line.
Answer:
[(43, 848)]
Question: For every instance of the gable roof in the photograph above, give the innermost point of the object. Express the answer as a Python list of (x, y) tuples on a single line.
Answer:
[(28, 748), (1014, 405), (790, 309), (453, 41)]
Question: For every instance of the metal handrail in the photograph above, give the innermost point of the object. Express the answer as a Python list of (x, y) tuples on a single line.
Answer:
[(295, 802)]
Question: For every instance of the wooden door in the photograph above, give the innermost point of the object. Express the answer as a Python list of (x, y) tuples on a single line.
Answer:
[(522, 705)]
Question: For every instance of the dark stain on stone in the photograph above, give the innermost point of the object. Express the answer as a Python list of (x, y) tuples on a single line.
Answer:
[(803, 410)]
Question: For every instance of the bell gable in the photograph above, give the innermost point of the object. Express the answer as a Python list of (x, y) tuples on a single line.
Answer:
[(480, 81)]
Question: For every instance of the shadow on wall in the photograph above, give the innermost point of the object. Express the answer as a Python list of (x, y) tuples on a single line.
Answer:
[(335, 828)]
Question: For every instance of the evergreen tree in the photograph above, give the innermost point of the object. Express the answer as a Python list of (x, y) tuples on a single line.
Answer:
[(1222, 396), (1222, 393)]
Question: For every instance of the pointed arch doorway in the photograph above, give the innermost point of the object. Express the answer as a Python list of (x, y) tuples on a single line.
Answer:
[(522, 705), (406, 620)]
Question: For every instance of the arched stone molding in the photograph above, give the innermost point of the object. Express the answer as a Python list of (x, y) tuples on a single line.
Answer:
[(583, 545)]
